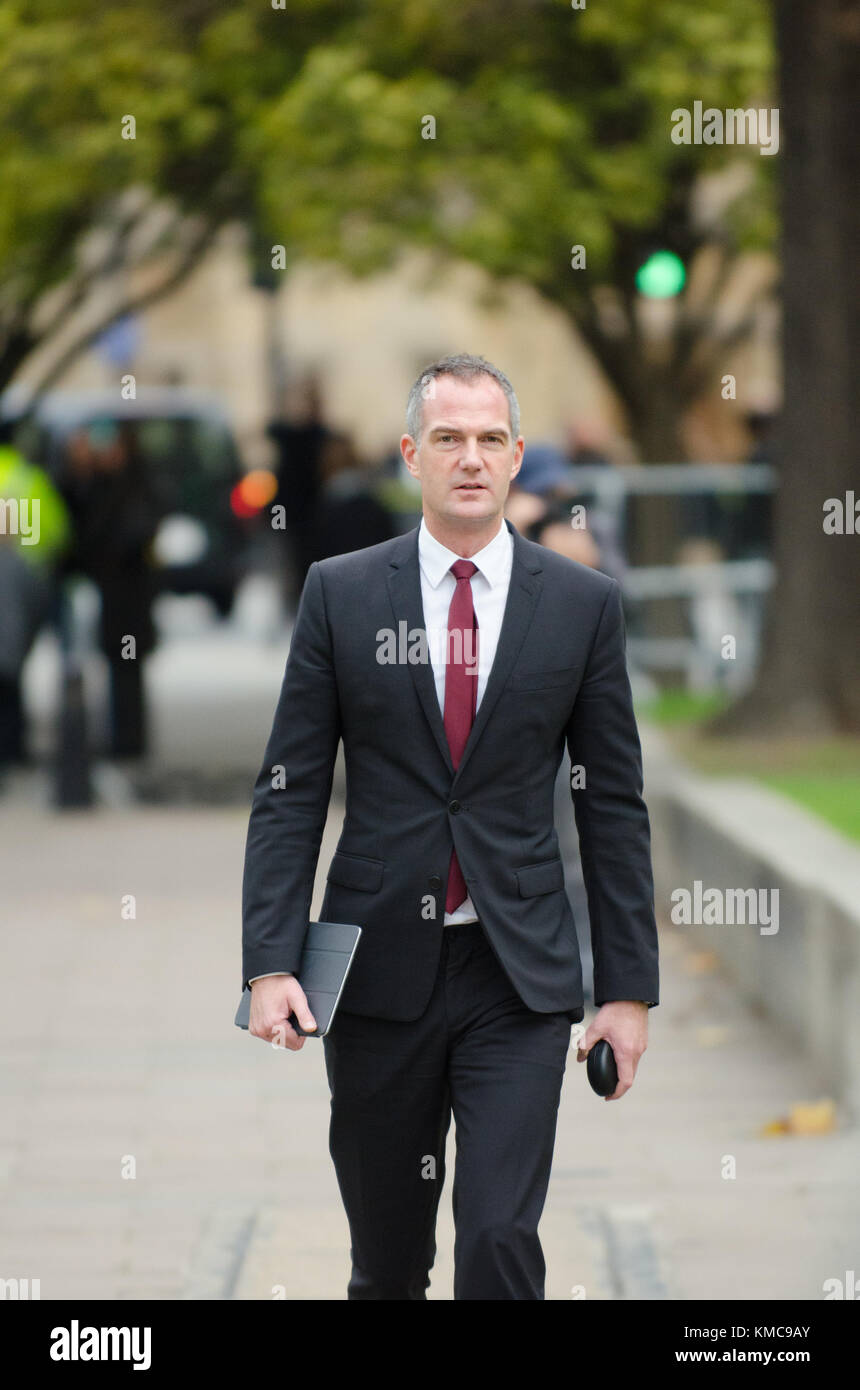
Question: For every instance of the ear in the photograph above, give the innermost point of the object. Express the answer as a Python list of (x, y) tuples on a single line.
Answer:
[(409, 450), (519, 446)]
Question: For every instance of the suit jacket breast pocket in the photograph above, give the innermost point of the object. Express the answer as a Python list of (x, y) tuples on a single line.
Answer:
[(557, 678), (354, 871)]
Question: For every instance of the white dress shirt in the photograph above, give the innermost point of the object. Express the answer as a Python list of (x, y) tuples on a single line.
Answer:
[(489, 595)]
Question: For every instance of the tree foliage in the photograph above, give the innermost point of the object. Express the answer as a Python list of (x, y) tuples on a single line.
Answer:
[(552, 129)]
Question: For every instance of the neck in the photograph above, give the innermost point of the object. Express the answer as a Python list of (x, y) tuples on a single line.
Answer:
[(465, 541)]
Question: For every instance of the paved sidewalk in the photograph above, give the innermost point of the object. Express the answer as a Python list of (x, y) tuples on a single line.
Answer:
[(117, 1044)]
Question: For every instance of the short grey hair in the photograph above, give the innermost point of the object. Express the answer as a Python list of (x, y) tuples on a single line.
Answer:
[(465, 366)]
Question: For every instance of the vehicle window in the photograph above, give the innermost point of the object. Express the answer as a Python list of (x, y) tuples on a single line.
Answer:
[(187, 446)]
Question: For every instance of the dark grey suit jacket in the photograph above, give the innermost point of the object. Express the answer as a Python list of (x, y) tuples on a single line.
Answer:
[(559, 673)]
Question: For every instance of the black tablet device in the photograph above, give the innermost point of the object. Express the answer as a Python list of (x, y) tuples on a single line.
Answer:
[(326, 958)]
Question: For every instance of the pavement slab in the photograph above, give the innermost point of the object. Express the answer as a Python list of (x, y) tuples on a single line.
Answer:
[(148, 1149)]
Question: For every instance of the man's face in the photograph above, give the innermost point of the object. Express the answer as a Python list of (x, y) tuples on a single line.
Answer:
[(466, 457)]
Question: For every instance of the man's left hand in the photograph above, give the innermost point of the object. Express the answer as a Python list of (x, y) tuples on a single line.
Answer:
[(624, 1025)]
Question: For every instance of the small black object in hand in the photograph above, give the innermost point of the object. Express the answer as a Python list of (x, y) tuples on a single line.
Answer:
[(601, 1068)]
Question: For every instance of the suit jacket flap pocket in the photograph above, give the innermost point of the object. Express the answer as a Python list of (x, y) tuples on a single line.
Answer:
[(353, 871), (547, 877), (545, 680)]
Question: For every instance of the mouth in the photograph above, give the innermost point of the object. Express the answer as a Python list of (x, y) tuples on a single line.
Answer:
[(470, 487)]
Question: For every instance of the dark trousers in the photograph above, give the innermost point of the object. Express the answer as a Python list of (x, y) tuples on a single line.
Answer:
[(476, 1052), (127, 709), (12, 726)]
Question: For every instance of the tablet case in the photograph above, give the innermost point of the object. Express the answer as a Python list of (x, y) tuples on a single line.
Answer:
[(326, 958)]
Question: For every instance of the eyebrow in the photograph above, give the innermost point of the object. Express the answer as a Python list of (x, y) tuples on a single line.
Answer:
[(455, 429)]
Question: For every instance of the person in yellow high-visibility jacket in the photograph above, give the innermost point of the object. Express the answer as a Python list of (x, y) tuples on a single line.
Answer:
[(35, 532)]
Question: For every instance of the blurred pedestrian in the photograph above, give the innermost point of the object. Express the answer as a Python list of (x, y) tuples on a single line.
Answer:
[(588, 443), (34, 533), (299, 438), (116, 514), (546, 506), (347, 515)]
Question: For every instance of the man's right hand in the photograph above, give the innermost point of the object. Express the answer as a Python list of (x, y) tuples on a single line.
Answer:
[(273, 999)]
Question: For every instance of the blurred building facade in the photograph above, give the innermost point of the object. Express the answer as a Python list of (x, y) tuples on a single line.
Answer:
[(365, 340)]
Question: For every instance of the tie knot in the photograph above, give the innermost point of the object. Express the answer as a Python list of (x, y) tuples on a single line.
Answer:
[(463, 569)]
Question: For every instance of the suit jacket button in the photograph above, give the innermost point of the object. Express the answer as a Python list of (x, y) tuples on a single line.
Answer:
[(435, 882), (454, 807)]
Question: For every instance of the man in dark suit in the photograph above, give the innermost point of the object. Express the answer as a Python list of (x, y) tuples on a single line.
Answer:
[(454, 663)]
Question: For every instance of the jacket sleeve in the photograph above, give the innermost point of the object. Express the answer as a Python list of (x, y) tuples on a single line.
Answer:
[(291, 797), (612, 819)]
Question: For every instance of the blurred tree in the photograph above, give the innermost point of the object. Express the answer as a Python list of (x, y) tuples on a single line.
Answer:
[(809, 679), (551, 130), (95, 225)]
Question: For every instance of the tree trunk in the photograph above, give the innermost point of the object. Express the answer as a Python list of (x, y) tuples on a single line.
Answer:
[(809, 679)]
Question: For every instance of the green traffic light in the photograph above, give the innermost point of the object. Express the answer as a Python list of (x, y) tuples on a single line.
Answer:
[(661, 276)]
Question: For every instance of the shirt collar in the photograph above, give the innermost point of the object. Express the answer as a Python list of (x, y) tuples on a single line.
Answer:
[(493, 562)]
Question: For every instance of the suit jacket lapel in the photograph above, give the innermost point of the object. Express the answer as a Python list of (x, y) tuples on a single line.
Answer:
[(404, 587), (404, 584)]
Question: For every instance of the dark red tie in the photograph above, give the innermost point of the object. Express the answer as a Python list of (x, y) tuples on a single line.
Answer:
[(461, 692)]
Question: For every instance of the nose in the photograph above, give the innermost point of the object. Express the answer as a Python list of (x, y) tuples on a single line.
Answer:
[(471, 455)]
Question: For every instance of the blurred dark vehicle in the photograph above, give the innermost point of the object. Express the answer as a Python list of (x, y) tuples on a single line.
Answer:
[(185, 447)]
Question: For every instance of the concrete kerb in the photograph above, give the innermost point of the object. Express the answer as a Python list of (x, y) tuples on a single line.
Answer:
[(733, 833)]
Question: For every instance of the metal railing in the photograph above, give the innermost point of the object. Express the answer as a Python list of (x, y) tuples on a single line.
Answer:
[(721, 598)]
